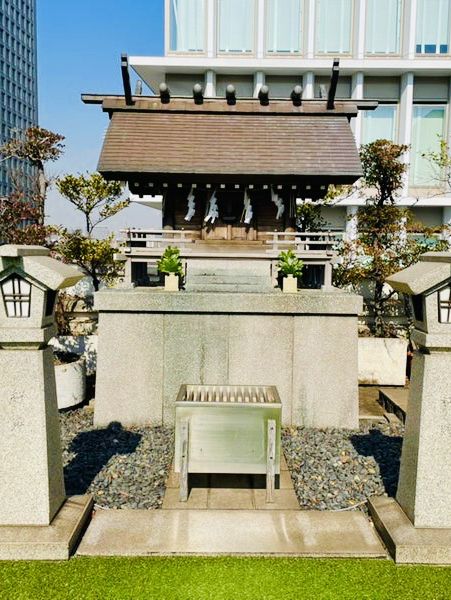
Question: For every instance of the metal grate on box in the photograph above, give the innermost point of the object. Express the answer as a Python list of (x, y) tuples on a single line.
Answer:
[(229, 394)]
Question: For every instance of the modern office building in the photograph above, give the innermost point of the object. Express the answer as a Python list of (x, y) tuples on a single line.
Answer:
[(395, 51), (18, 77)]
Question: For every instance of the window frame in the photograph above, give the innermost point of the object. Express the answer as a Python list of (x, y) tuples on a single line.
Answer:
[(435, 54), (396, 106), (220, 52), (169, 50), (400, 37), (426, 104), (302, 27), (351, 35)]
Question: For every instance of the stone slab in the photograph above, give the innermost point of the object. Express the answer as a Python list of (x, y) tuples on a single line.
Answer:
[(53, 542), (406, 543), (395, 400), (230, 532), (334, 302), (382, 361), (325, 388)]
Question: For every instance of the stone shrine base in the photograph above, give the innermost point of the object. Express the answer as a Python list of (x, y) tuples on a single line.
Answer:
[(53, 542), (406, 543)]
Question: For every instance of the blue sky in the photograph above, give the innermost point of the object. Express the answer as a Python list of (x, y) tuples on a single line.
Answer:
[(79, 48)]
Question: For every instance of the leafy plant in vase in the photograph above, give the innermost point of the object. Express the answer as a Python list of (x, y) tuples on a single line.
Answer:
[(171, 265), (291, 268)]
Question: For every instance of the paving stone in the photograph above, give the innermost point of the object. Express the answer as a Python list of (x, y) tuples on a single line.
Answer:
[(206, 532), (197, 499), (283, 500), (221, 499)]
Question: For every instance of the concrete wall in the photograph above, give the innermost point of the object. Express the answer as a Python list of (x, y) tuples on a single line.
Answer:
[(152, 342)]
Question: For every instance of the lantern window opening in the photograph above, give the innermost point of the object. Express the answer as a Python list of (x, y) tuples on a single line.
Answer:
[(444, 305), (16, 293)]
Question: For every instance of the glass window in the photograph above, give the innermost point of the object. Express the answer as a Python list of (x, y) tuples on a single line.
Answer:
[(236, 25), (333, 26), (187, 25), (383, 26), (428, 129), (283, 26), (379, 124), (432, 27)]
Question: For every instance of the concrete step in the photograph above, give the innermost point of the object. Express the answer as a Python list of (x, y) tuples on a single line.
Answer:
[(242, 532), (227, 287), (395, 400)]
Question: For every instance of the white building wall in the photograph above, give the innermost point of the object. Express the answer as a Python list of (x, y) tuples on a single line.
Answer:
[(306, 65)]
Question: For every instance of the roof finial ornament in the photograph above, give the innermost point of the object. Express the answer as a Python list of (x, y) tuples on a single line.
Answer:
[(231, 95), (165, 94), (198, 94), (263, 95), (296, 95)]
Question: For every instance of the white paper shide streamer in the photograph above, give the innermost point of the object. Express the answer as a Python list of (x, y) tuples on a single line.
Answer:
[(191, 205), (248, 213), (279, 203), (213, 212)]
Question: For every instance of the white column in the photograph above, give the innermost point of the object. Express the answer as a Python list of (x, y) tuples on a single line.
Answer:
[(351, 223), (260, 24), (359, 28), (405, 119), (357, 93), (309, 37), (409, 29), (211, 28), (210, 84), (259, 80), (308, 84)]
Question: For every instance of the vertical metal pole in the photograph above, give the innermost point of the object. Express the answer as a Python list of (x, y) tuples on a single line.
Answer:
[(271, 461), (184, 442)]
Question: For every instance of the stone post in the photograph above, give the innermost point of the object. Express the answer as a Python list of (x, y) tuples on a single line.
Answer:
[(424, 488), (31, 471)]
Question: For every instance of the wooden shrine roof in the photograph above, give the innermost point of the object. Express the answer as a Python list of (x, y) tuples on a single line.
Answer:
[(156, 141)]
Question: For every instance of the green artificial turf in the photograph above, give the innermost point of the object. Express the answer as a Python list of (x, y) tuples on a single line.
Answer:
[(221, 578)]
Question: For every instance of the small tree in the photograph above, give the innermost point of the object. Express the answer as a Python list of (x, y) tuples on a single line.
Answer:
[(382, 246), (19, 222), (92, 195), (98, 200), (95, 257), (37, 146)]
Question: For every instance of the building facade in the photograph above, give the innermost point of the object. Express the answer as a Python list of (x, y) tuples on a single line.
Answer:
[(395, 51), (18, 78)]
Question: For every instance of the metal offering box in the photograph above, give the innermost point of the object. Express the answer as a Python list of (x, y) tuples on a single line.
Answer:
[(227, 429)]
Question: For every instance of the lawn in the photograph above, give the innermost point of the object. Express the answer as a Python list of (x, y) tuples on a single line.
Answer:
[(222, 578)]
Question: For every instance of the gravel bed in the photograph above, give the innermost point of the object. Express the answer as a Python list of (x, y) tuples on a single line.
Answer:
[(336, 469), (122, 468), (332, 469)]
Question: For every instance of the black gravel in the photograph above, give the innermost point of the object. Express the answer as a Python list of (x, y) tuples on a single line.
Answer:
[(331, 469), (336, 469), (122, 468)]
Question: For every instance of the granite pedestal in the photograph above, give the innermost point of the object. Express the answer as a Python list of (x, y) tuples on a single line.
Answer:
[(151, 342)]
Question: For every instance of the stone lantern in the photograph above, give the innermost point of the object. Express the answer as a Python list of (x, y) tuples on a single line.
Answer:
[(424, 488), (31, 473)]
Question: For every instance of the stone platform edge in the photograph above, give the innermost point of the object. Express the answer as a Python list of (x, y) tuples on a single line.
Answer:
[(57, 541), (155, 300), (406, 543)]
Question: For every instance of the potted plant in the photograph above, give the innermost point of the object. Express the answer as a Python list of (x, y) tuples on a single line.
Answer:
[(171, 265), (290, 266)]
